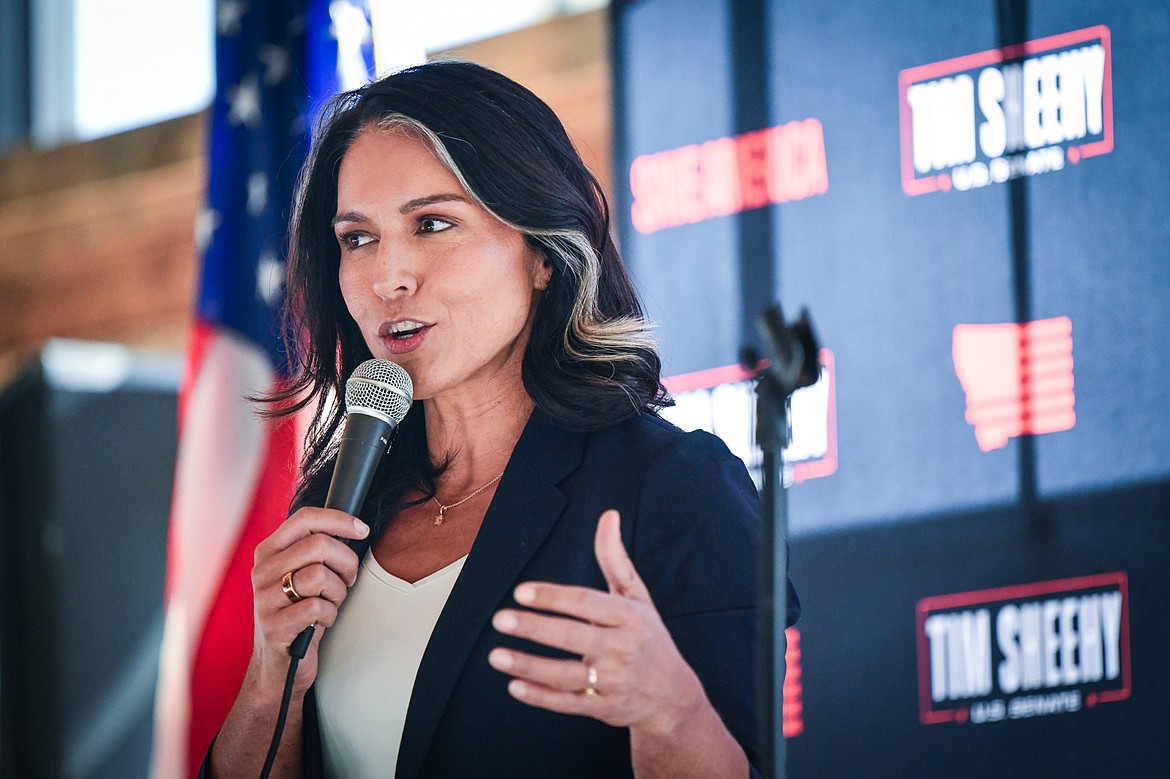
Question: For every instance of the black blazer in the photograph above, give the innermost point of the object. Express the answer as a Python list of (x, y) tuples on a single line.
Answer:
[(689, 521)]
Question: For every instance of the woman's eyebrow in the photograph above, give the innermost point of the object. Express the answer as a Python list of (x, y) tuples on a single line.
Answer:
[(405, 208), (349, 216), (422, 202)]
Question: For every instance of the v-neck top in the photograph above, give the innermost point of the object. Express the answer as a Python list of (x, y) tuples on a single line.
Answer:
[(368, 661)]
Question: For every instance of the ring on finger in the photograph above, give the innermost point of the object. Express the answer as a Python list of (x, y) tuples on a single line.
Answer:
[(286, 585), (590, 681)]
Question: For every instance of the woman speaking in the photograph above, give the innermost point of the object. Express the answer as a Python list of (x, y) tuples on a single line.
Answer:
[(552, 581)]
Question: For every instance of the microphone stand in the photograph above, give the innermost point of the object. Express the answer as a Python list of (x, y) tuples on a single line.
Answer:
[(791, 363)]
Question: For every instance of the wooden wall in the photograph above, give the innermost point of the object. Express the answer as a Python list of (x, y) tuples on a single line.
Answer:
[(97, 239)]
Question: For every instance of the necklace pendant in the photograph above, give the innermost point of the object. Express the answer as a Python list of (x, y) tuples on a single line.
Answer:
[(439, 518)]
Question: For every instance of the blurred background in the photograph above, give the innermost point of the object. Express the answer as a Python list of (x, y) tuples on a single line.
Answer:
[(970, 198), (103, 135)]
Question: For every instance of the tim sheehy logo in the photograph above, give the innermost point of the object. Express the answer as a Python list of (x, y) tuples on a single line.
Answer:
[(1027, 651), (728, 175), (1018, 378), (1001, 114), (722, 401)]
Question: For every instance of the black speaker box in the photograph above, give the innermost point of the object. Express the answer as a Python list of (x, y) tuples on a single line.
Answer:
[(87, 455)]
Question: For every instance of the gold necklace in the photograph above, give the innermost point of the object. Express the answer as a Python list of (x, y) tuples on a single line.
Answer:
[(442, 508)]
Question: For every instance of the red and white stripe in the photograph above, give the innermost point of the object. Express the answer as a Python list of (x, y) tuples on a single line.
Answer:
[(234, 479)]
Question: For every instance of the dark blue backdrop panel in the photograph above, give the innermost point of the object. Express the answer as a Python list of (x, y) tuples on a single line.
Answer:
[(887, 276), (861, 697), (1100, 232), (676, 83), (916, 511)]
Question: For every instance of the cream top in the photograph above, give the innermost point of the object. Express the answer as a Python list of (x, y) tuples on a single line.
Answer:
[(367, 665)]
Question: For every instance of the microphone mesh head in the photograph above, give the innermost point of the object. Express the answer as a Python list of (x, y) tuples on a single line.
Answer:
[(381, 388)]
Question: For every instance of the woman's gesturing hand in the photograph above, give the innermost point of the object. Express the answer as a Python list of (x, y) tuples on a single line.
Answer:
[(630, 673), (301, 575)]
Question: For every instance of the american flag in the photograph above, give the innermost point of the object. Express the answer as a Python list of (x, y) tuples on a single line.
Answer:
[(275, 62)]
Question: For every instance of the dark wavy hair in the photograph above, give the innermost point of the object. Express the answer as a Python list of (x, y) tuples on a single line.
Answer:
[(590, 361)]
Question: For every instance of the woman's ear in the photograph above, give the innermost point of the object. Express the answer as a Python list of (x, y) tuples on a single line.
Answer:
[(543, 270)]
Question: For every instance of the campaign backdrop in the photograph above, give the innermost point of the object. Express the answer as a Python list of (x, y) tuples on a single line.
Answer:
[(970, 198)]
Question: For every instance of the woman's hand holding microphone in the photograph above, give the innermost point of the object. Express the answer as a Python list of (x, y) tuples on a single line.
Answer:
[(302, 573)]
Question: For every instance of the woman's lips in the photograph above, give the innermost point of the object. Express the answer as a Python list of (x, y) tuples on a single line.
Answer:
[(398, 345)]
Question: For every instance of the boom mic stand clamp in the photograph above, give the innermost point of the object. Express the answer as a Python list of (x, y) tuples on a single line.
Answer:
[(791, 363)]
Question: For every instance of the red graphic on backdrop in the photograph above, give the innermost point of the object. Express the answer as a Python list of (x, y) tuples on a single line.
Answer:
[(728, 175), (793, 688), (1026, 651), (1018, 378), (997, 115)]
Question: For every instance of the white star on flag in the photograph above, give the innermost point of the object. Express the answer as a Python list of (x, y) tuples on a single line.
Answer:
[(206, 223), (244, 102), (276, 64), (228, 16), (257, 193), (269, 277)]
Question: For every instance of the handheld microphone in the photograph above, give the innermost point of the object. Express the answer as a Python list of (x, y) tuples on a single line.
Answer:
[(377, 397)]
